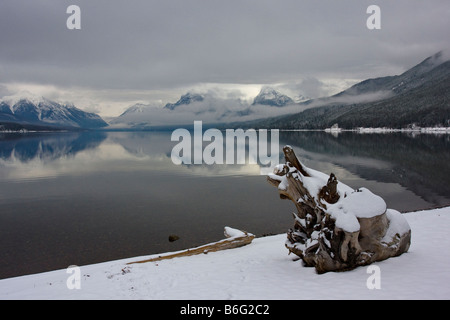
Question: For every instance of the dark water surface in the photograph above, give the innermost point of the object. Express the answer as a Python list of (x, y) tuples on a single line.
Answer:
[(83, 198)]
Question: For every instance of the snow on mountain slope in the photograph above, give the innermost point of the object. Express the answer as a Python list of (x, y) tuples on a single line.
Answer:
[(428, 70), (207, 107), (39, 110), (271, 97), (185, 99)]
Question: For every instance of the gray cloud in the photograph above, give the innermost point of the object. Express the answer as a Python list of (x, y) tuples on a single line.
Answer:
[(4, 91), (162, 45)]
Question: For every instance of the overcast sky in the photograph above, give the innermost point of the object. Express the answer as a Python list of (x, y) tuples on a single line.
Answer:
[(154, 51)]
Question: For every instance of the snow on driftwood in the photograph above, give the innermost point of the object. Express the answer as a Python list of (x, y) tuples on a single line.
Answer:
[(336, 227)]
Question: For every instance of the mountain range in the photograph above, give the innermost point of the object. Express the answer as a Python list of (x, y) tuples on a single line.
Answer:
[(418, 97), (38, 112), (206, 107)]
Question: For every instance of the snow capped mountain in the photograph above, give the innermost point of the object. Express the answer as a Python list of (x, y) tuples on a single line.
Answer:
[(39, 110), (419, 97), (137, 116), (271, 97), (208, 107), (188, 108), (186, 99), (137, 108)]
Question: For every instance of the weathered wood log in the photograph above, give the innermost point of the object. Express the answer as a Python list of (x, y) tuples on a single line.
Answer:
[(235, 239), (337, 228)]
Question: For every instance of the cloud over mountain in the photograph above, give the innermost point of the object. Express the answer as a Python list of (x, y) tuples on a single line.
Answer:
[(162, 49), (208, 107)]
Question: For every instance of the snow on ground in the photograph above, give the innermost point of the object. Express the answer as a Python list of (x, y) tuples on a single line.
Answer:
[(260, 271)]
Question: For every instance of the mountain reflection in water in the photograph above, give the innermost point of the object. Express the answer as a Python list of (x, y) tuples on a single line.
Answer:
[(87, 197)]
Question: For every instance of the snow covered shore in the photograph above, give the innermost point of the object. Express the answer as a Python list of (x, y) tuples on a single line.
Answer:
[(261, 270), (414, 130)]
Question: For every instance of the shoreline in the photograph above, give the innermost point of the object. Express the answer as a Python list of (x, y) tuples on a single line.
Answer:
[(260, 270)]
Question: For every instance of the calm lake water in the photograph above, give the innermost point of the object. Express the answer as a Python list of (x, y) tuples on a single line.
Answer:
[(83, 198)]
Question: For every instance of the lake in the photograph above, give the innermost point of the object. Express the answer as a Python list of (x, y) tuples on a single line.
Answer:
[(82, 198)]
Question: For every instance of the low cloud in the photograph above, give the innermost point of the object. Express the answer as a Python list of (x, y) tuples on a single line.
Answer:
[(215, 110), (211, 110), (4, 91)]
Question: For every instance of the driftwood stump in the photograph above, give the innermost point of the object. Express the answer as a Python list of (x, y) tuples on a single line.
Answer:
[(337, 228)]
